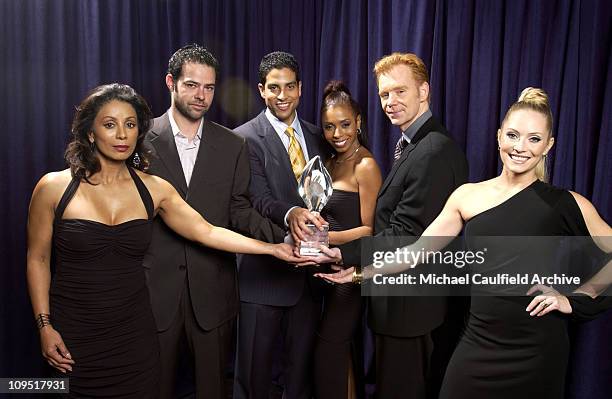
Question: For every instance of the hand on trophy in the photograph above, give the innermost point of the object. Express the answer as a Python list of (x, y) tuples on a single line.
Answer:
[(326, 255), (299, 218), (315, 189)]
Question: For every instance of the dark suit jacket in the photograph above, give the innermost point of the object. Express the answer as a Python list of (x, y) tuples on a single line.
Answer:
[(218, 191), (411, 197), (274, 190)]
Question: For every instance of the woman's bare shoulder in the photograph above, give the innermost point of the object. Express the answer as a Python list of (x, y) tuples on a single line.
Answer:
[(54, 181), (155, 184), (51, 186), (58, 177), (365, 163), (150, 179), (471, 190)]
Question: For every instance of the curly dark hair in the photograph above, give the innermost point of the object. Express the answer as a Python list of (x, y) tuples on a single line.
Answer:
[(277, 60), (191, 53), (336, 93), (80, 155)]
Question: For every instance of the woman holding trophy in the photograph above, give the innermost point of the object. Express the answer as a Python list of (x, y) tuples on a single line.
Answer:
[(356, 180)]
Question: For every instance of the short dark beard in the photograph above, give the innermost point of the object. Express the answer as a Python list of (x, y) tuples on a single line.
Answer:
[(184, 110)]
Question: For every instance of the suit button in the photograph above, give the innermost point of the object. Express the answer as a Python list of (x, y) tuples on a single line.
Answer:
[(181, 267)]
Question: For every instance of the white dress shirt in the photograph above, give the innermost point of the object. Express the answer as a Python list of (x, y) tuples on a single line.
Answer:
[(187, 150)]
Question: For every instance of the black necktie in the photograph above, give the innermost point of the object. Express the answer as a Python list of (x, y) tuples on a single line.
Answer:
[(399, 147)]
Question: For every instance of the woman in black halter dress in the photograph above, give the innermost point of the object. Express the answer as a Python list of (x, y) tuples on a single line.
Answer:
[(100, 302), (95, 320), (349, 212), (513, 346)]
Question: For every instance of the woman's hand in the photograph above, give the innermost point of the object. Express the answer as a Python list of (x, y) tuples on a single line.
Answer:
[(549, 300), (54, 350), (327, 255), (340, 277), (285, 252)]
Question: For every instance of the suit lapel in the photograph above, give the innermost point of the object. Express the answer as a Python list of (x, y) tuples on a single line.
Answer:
[(427, 127), (207, 154), (276, 147), (312, 142), (396, 166), (166, 150)]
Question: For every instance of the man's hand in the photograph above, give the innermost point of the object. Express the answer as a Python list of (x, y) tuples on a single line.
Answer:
[(297, 220)]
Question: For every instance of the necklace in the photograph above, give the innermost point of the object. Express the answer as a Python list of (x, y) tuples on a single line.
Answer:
[(350, 156)]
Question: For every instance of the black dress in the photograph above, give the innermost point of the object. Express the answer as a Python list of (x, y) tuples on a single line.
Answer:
[(505, 352), (100, 304), (342, 312)]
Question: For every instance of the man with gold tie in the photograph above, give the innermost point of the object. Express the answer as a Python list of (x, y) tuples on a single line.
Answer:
[(278, 302)]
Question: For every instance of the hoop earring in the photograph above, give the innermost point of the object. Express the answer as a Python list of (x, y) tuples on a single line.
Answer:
[(359, 132), (136, 160)]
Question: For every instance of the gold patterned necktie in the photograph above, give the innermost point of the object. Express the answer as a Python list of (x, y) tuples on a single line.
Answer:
[(296, 156)]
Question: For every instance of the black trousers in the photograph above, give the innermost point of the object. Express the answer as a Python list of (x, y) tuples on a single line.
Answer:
[(210, 350), (402, 366), (260, 327)]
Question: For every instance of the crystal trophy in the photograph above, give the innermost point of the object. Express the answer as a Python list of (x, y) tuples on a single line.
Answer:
[(315, 188)]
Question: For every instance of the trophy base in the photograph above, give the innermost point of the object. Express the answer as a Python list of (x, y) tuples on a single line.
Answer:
[(312, 246)]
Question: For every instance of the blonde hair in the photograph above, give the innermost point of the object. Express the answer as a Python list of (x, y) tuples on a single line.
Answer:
[(535, 99), (416, 65)]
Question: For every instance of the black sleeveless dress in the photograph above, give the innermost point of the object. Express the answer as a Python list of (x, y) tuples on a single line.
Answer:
[(342, 312), (504, 352), (100, 304)]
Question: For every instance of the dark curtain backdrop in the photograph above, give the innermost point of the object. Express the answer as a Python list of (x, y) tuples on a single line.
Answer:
[(481, 53)]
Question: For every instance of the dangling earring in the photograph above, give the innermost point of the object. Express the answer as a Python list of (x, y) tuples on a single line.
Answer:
[(359, 132), (92, 146), (136, 160)]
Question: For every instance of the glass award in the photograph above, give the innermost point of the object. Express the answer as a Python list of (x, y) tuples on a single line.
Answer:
[(315, 188)]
